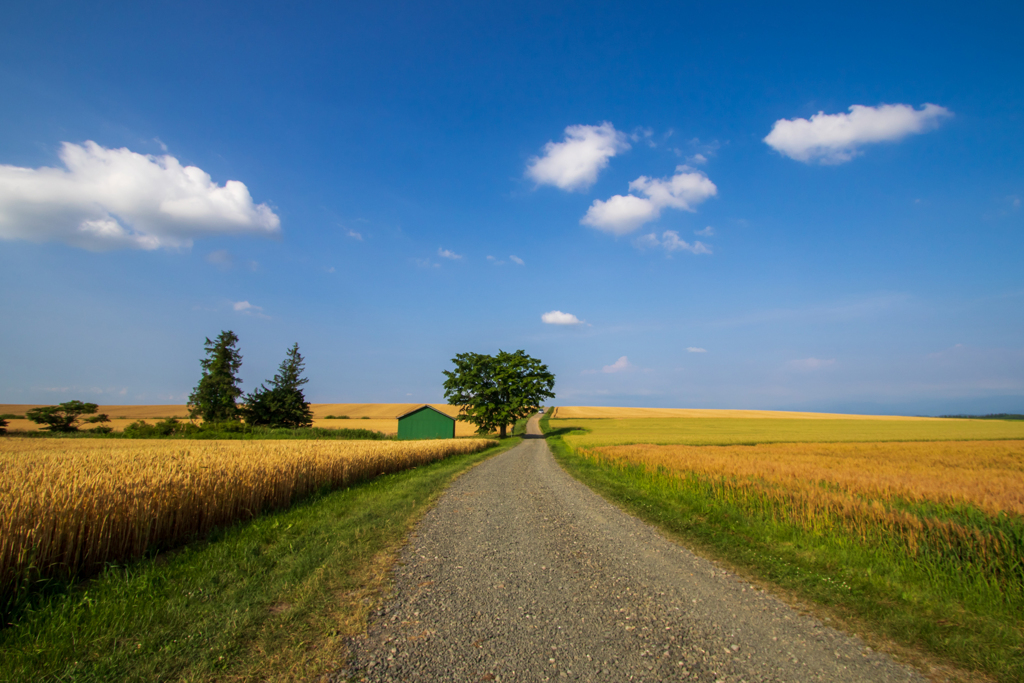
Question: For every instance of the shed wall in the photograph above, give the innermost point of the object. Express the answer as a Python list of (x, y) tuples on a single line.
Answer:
[(426, 424)]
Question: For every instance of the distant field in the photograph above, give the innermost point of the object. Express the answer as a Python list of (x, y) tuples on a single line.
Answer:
[(382, 416), (711, 431), (605, 412)]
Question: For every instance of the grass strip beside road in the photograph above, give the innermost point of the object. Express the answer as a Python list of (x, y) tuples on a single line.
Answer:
[(926, 611), (270, 599)]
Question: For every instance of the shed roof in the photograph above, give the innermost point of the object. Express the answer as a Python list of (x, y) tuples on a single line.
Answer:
[(422, 407)]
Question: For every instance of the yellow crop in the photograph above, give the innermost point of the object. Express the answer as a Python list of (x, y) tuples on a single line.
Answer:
[(67, 506), (719, 431), (987, 474), (878, 492)]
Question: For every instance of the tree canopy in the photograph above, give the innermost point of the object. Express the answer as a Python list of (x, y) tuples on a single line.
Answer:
[(283, 403), (214, 397), (63, 417), (495, 391)]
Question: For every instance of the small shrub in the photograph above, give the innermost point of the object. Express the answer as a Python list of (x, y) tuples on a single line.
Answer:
[(3, 426), (337, 417), (140, 429)]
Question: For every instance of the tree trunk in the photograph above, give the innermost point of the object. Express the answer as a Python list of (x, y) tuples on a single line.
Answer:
[(502, 435)]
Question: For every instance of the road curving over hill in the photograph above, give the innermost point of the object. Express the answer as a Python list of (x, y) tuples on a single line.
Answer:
[(521, 573)]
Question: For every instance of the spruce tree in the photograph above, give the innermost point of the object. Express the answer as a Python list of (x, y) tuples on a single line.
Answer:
[(282, 404), (214, 397)]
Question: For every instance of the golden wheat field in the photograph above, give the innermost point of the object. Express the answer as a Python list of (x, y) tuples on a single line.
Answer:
[(69, 505), (987, 474), (709, 431), (878, 492)]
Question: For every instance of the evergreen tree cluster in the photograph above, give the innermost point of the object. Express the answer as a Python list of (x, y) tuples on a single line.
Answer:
[(218, 398)]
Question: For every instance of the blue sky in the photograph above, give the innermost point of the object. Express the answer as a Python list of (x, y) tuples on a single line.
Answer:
[(712, 205)]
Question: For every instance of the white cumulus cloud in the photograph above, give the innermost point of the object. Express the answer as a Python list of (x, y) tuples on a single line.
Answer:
[(115, 198), (574, 163), (559, 318), (444, 253), (620, 365), (836, 138), (622, 214)]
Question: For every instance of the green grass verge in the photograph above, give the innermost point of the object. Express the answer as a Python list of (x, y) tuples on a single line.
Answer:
[(931, 611), (270, 599)]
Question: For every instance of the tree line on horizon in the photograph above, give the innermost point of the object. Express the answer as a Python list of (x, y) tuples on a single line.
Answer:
[(492, 392)]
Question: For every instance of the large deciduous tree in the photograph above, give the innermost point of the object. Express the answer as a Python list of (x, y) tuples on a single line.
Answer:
[(495, 391), (282, 404), (214, 397), (63, 417)]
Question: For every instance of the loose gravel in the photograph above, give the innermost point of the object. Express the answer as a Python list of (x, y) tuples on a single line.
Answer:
[(521, 573)]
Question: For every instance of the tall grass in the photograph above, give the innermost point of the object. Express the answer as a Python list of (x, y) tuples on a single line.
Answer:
[(69, 506)]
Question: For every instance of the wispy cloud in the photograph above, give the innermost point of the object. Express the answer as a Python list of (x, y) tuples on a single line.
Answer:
[(220, 258), (622, 214), (518, 261), (696, 349), (670, 242), (444, 253), (559, 318), (354, 235), (837, 138), (248, 309), (621, 365), (706, 232), (574, 163), (810, 364), (107, 199)]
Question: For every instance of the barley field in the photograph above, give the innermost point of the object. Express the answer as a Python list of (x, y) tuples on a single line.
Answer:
[(67, 506), (709, 431)]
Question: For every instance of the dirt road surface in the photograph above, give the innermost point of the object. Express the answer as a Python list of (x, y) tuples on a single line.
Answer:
[(521, 573)]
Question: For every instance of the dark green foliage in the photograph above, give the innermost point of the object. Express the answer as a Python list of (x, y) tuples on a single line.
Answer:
[(495, 391), (336, 417), (171, 427), (3, 426), (282, 404), (63, 417), (11, 416), (214, 397)]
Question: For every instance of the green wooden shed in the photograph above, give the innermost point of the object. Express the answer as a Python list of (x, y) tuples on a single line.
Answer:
[(425, 422)]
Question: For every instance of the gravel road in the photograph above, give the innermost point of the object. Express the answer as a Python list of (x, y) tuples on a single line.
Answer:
[(521, 573)]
